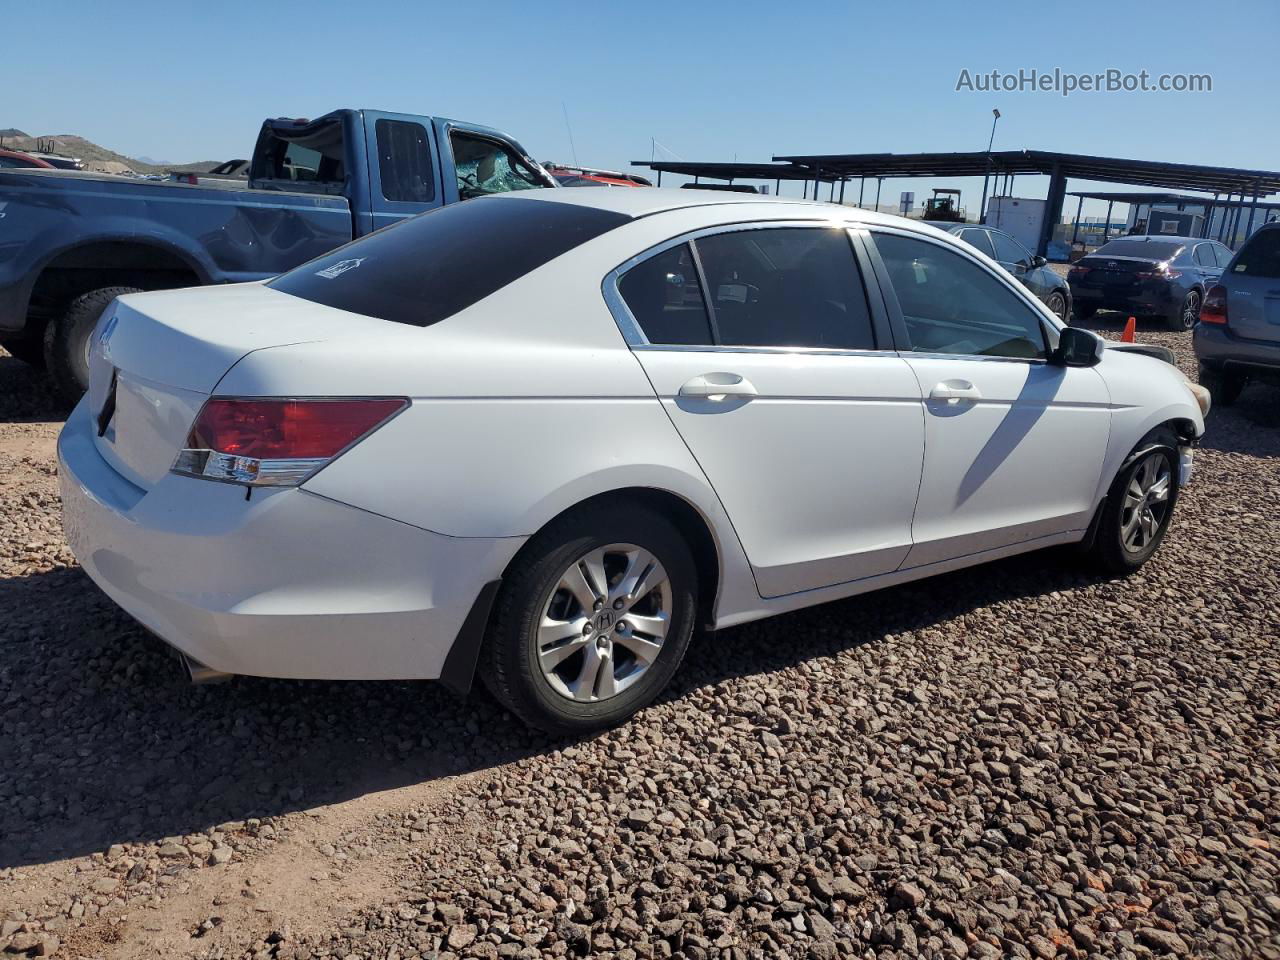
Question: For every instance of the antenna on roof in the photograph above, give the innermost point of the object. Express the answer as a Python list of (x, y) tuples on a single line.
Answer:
[(572, 149)]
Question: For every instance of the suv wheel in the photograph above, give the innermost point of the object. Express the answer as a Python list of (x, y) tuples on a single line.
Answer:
[(592, 621), (1224, 386)]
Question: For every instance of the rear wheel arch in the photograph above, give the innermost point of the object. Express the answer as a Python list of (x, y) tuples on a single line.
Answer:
[(108, 262), (688, 520)]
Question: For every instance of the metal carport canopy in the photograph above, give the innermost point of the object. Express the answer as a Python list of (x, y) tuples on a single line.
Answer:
[(734, 171), (1147, 173)]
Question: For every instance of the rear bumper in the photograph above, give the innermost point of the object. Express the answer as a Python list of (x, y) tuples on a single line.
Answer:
[(285, 584), (1216, 345), (1159, 300)]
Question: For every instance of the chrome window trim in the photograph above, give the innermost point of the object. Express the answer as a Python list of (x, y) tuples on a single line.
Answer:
[(630, 328)]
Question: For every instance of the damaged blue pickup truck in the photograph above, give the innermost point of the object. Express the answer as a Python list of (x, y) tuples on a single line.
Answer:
[(71, 242)]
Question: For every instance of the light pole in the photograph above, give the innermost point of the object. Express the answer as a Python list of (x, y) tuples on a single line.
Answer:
[(982, 208)]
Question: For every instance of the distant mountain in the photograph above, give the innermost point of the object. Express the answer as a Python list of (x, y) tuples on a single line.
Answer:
[(94, 156)]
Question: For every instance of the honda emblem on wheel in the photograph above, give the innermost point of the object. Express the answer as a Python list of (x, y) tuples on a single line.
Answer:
[(604, 621)]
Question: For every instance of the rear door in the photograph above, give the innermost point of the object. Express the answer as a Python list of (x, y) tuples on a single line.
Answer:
[(1013, 444), (1204, 260), (763, 347), (1253, 287), (403, 164)]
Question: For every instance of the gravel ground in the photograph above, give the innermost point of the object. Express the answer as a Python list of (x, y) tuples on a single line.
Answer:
[(1021, 760)]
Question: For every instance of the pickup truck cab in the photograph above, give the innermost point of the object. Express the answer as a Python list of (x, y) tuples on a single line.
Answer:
[(71, 242)]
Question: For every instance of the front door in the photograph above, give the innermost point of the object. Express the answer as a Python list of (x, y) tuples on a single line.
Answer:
[(761, 346), (1013, 445)]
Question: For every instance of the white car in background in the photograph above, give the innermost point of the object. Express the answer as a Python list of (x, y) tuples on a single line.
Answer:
[(539, 438)]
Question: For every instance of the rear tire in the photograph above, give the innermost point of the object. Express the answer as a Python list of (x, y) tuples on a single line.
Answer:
[(1188, 314), (1136, 514), (514, 662), (66, 340), (1222, 385), (30, 350)]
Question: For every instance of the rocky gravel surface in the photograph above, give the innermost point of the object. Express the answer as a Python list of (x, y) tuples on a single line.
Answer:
[(1021, 760)]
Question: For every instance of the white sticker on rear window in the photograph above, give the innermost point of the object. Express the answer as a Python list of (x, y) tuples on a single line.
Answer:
[(335, 270)]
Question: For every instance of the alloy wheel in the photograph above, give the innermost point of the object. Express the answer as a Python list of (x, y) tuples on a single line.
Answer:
[(604, 623), (1145, 509), (1058, 304), (1190, 310)]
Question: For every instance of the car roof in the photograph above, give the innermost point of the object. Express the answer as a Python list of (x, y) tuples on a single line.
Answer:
[(652, 200)]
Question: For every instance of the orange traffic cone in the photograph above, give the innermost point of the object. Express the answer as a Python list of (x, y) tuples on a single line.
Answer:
[(1130, 329)]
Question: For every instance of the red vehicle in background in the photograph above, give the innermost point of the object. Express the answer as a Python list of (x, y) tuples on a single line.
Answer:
[(14, 159), (568, 176)]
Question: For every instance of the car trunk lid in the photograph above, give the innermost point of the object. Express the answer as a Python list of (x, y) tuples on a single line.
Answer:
[(158, 356)]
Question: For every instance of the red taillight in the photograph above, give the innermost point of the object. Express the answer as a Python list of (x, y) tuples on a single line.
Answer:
[(1214, 308), (1075, 273), (1162, 271), (277, 442)]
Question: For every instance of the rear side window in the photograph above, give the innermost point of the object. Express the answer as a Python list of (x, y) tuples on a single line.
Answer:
[(404, 161), (779, 287), (1260, 257), (433, 265), (1205, 256), (664, 296)]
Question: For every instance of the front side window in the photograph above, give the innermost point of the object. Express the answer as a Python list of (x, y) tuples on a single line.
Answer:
[(979, 240), (487, 166), (952, 305), (779, 287), (1009, 250), (1223, 254), (404, 161)]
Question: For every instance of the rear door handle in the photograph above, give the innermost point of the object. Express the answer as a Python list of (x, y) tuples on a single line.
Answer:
[(953, 391), (717, 386)]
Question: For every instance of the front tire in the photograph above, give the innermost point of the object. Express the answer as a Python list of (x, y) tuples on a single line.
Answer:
[(1223, 386), (1188, 314), (1139, 506), (1057, 303), (592, 619), (66, 340)]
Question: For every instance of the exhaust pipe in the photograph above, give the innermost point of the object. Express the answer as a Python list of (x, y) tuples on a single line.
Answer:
[(201, 674)]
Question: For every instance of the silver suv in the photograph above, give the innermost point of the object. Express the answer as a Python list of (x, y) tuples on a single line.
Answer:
[(1238, 337)]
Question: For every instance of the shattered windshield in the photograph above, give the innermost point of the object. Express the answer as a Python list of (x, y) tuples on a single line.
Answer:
[(487, 166)]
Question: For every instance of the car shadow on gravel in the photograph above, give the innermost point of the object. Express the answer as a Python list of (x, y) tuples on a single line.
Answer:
[(27, 393), (105, 741)]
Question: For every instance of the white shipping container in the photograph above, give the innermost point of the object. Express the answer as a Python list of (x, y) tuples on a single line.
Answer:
[(1019, 216)]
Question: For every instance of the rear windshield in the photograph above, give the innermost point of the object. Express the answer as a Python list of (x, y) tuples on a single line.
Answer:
[(1261, 255), (430, 267), (1148, 249)]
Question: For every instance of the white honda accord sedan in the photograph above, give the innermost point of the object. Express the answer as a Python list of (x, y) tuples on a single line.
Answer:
[(541, 438)]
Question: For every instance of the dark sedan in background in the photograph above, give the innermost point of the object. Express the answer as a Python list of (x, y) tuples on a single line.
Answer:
[(1149, 276), (1018, 260)]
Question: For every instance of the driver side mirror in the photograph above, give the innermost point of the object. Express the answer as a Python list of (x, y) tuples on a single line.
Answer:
[(1077, 348), (1037, 262)]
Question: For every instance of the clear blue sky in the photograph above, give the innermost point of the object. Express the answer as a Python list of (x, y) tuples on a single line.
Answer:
[(709, 80)]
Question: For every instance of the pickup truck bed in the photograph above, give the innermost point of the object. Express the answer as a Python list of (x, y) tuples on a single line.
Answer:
[(71, 241)]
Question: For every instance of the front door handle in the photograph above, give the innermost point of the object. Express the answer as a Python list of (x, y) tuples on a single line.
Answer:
[(717, 386), (953, 391)]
